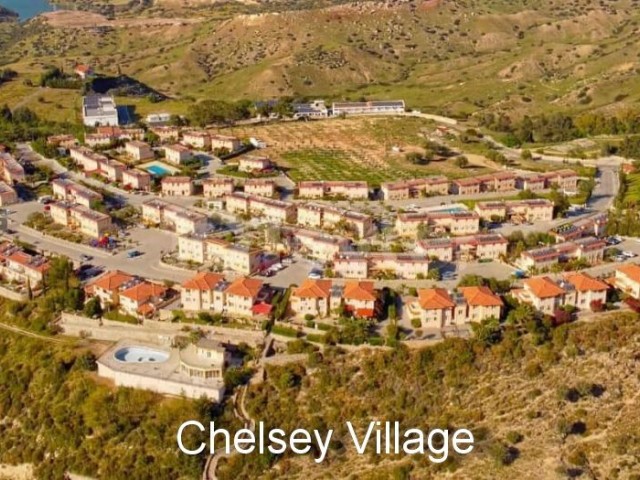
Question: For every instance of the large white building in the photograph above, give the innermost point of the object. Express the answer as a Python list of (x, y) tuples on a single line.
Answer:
[(99, 110)]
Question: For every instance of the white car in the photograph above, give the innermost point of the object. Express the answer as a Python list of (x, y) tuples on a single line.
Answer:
[(629, 254), (315, 275)]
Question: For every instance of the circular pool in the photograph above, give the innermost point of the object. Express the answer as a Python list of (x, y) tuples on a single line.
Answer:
[(140, 355)]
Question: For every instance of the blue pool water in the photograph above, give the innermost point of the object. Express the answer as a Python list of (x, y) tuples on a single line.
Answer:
[(157, 170), (140, 355)]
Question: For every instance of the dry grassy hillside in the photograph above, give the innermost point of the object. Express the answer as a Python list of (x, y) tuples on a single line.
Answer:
[(451, 56), (562, 408)]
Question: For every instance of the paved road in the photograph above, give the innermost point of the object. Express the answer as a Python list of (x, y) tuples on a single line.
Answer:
[(152, 242)]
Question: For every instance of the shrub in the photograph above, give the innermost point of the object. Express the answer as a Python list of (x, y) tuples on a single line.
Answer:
[(416, 323)]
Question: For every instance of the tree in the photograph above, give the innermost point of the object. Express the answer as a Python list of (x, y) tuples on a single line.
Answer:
[(92, 308), (462, 161), (526, 154), (560, 201), (488, 331)]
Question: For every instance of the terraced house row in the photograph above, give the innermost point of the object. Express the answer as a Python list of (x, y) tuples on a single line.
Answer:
[(565, 180), (203, 249), (183, 221)]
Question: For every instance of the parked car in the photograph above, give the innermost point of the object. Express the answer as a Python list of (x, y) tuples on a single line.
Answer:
[(133, 253), (85, 258), (315, 275), (629, 254)]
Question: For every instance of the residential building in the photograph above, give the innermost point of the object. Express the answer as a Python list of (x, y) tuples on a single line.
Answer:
[(359, 224), (481, 304), (589, 290), (204, 291), (454, 223), (593, 225), (92, 162), (158, 119), (434, 307), (261, 187), (360, 299), (271, 210), (217, 187), (138, 150), (69, 191), (466, 186), (136, 179), (317, 245), (86, 158), (62, 141), (16, 265), (97, 140), (347, 189), (78, 217), (545, 295), (12, 171), (99, 110), (197, 139), (177, 154), (237, 202), (183, 221), (519, 211), (372, 264), (120, 133), (405, 189), (590, 249), (112, 169), (627, 279), (442, 249), (83, 71), (243, 295), (532, 182), (218, 252), (254, 164), (8, 195), (374, 107), (107, 287), (498, 182), (177, 186), (481, 247), (566, 180), (231, 144), (313, 297), (143, 299), (315, 109), (167, 134), (310, 215)]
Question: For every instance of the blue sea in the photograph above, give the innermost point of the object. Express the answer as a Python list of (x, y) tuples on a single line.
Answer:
[(28, 8)]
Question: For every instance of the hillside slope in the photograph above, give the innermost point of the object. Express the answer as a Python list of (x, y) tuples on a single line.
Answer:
[(553, 408), (452, 56)]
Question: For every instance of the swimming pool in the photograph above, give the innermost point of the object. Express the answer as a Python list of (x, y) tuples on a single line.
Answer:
[(140, 355), (157, 170)]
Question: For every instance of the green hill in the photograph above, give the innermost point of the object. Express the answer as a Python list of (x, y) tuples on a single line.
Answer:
[(455, 57)]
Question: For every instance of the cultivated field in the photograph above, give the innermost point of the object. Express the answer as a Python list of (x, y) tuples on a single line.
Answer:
[(351, 149)]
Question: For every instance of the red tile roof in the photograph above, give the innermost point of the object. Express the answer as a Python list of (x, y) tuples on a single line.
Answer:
[(359, 291), (313, 289), (435, 299), (632, 271), (142, 292), (244, 287), (203, 281), (544, 287), (585, 283), (480, 296), (111, 281)]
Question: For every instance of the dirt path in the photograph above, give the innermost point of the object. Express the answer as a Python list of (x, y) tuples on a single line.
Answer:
[(27, 333)]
